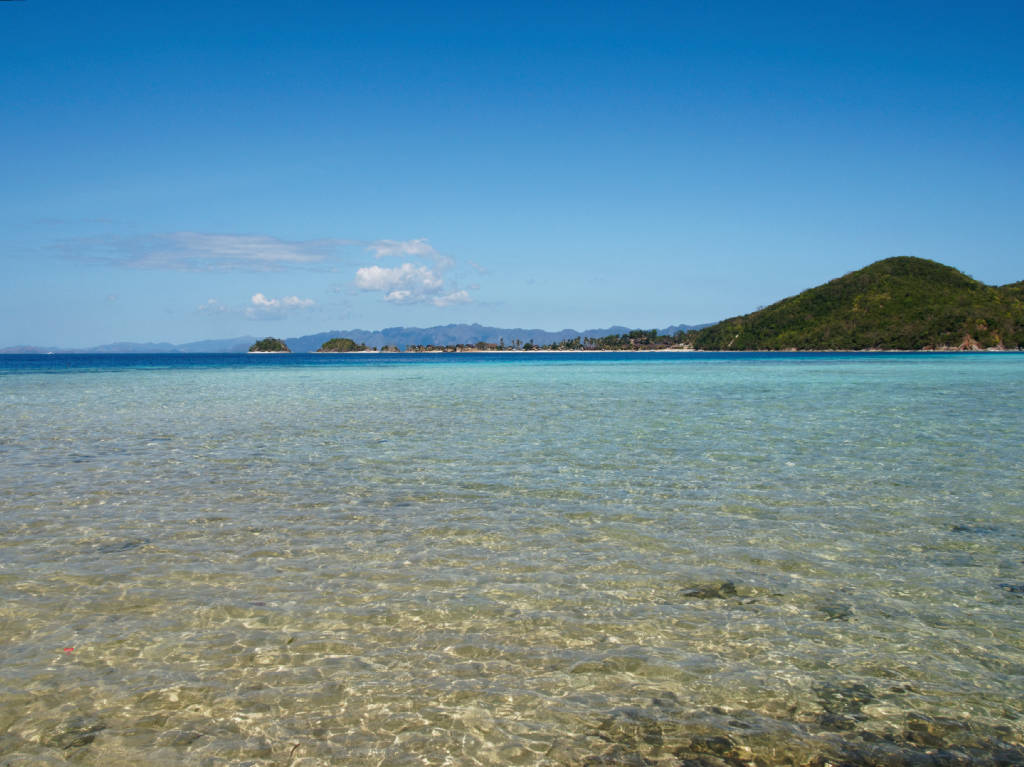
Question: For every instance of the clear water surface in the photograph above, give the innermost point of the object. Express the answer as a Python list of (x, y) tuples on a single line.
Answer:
[(518, 559)]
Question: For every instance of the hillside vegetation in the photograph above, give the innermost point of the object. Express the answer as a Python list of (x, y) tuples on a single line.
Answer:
[(270, 345), (341, 345), (898, 303)]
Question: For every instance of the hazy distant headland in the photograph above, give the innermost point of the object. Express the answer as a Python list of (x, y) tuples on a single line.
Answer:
[(902, 303), (395, 337)]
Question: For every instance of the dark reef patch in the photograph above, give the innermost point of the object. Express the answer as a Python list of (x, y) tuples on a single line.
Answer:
[(115, 547), (641, 736), (720, 590), (75, 733)]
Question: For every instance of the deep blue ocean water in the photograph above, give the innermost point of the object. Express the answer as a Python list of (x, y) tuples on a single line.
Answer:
[(540, 559)]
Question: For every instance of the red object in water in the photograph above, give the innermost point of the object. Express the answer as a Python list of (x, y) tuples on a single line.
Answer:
[(69, 649)]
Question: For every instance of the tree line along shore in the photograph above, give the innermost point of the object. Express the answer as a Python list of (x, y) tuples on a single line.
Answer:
[(633, 340)]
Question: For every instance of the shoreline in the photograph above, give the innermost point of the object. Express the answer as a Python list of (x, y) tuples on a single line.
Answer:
[(690, 351), (951, 350)]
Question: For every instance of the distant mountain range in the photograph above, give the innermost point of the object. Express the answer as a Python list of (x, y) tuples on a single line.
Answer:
[(897, 303), (240, 344), (439, 335)]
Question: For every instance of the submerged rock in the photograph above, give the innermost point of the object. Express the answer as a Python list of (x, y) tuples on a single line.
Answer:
[(33, 759), (617, 756), (660, 736), (978, 529), (847, 699), (837, 611), (719, 745), (75, 733), (116, 547), (836, 722), (705, 760), (632, 726), (721, 590)]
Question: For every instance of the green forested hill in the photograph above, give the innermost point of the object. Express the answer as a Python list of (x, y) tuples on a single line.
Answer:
[(341, 345), (898, 303), (270, 345)]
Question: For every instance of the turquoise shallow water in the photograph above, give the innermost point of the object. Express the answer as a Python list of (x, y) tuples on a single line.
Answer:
[(676, 559)]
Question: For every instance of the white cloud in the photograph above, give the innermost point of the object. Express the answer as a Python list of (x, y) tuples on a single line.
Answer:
[(455, 297), (263, 308), (411, 282), (399, 282)]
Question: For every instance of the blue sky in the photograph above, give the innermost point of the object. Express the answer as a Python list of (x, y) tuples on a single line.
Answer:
[(181, 171)]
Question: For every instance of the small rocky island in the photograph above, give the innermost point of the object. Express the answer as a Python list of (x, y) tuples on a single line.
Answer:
[(335, 345), (269, 345)]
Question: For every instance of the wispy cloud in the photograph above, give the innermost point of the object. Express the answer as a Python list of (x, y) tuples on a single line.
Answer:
[(205, 252), (424, 276), (259, 307), (455, 297), (263, 308), (401, 248), (419, 248), (212, 306), (200, 252)]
